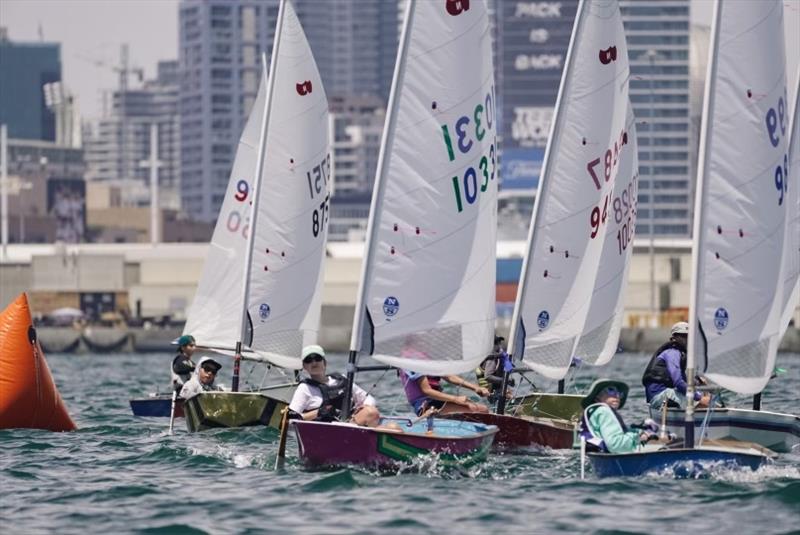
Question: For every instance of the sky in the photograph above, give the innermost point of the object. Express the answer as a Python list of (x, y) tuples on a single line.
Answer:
[(91, 32)]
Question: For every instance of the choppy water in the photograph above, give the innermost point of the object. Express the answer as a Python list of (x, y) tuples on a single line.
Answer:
[(120, 474)]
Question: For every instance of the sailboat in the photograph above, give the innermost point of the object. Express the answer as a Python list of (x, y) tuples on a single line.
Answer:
[(259, 297), (426, 298), (570, 297), (777, 431), (736, 304)]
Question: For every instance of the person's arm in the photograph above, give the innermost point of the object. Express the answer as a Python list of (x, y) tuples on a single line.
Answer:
[(360, 397), (432, 393), (616, 440), (673, 361), (190, 389), (460, 381), (300, 402)]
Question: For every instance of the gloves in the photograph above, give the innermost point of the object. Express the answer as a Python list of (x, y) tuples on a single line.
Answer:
[(650, 426)]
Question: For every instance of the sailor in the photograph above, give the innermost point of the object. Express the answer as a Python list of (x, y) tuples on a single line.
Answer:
[(491, 370), (424, 392), (320, 396), (182, 365), (664, 378), (603, 427), (203, 379)]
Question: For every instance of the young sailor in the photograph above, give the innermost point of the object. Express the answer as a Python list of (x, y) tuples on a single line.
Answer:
[(182, 365), (425, 391), (601, 424), (320, 396), (203, 378), (664, 378), (491, 370)]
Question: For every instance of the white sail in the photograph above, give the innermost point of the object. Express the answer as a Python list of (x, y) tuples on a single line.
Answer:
[(791, 248), (600, 338), (428, 283), (574, 213), (741, 205), (284, 291)]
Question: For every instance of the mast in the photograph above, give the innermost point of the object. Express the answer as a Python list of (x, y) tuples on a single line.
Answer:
[(545, 175), (256, 190), (699, 223), (377, 200)]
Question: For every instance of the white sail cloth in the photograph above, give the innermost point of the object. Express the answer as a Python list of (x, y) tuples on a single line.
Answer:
[(429, 282), (568, 302), (284, 297), (741, 211)]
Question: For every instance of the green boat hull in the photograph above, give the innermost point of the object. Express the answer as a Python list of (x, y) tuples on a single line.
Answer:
[(544, 405), (211, 410)]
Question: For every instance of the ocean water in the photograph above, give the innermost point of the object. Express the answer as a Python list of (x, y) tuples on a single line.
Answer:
[(122, 474)]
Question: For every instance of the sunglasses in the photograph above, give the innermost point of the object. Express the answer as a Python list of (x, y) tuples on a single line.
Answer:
[(313, 358), (613, 392), (211, 370)]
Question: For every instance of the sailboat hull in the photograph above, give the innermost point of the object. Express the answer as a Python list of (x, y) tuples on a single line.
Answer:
[(776, 431), (337, 444), (523, 431), (159, 405), (544, 405), (210, 410), (683, 463)]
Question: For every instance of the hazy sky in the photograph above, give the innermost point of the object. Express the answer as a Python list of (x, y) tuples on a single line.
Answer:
[(92, 30)]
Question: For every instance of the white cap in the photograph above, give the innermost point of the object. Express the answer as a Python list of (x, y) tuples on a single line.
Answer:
[(680, 328)]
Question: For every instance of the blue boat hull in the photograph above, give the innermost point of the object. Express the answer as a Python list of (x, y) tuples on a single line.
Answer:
[(683, 463), (156, 406)]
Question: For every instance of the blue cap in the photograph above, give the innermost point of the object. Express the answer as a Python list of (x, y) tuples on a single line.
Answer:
[(185, 340)]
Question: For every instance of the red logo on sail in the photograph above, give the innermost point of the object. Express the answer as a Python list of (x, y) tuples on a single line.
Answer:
[(455, 7), (304, 88), (608, 55)]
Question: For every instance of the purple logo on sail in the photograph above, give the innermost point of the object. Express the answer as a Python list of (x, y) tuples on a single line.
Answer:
[(543, 320), (263, 311), (721, 319), (390, 306)]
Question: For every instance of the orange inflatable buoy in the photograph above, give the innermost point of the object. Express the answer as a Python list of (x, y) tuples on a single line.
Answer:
[(28, 396)]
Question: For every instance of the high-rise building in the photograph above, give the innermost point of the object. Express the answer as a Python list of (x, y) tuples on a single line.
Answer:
[(658, 48), (220, 41), (25, 68), (354, 43), (117, 145), (220, 47)]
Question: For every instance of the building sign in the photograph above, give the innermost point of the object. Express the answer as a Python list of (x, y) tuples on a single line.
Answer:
[(534, 39)]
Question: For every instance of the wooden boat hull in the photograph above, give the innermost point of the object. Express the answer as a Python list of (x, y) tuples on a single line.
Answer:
[(210, 410), (545, 405), (523, 431), (339, 444), (28, 395), (776, 431), (682, 462), (156, 406)]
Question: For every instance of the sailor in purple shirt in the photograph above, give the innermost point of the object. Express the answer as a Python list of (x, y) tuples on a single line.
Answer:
[(664, 378)]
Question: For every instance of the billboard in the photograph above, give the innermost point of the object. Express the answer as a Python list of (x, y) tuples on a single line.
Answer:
[(66, 201), (534, 37)]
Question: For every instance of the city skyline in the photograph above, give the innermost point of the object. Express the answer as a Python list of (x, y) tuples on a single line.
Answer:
[(91, 40)]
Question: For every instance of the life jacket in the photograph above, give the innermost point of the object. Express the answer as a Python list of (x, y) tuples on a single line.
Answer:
[(594, 442), (656, 370), (332, 397), (480, 372)]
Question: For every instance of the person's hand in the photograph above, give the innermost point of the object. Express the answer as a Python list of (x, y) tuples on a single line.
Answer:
[(705, 400), (462, 400), (473, 407), (646, 436), (482, 392)]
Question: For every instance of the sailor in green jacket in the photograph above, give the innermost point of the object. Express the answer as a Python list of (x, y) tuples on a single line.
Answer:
[(603, 427)]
